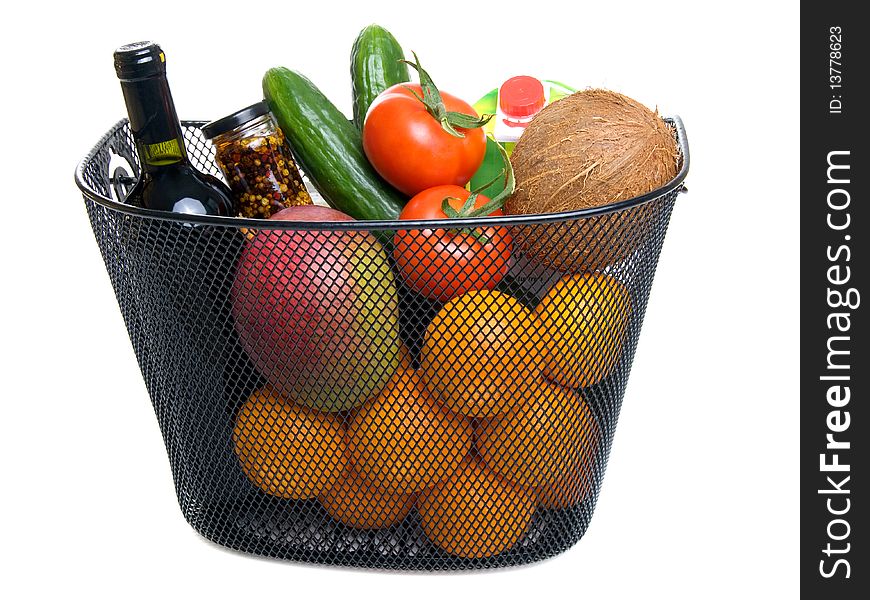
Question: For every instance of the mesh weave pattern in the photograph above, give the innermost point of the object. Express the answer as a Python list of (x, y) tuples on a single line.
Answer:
[(317, 407)]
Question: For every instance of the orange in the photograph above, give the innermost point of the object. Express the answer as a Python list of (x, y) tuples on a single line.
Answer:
[(358, 503), (475, 513), (480, 352), (403, 440), (288, 450), (541, 441), (572, 488), (583, 319), (406, 359)]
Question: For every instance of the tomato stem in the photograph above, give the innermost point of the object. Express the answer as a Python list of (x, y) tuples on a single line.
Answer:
[(434, 104), (508, 171), (484, 240), (479, 189), (467, 210)]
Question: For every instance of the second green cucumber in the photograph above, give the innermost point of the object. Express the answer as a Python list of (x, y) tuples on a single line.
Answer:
[(375, 64), (329, 148)]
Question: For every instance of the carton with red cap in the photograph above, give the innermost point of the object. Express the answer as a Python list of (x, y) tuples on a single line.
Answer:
[(515, 103), (520, 98)]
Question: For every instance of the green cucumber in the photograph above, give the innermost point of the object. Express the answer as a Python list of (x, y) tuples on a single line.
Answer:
[(329, 148), (375, 65)]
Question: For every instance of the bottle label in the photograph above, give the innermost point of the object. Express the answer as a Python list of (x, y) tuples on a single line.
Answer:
[(163, 153)]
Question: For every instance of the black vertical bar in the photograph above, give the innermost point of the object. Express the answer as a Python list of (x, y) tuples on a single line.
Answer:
[(835, 224)]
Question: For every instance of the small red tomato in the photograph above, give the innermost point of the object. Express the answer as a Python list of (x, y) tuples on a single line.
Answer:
[(445, 263)]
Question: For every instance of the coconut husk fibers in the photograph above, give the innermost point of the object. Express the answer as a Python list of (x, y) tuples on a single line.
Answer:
[(589, 149)]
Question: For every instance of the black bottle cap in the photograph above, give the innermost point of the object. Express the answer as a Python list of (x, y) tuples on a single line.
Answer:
[(240, 117), (139, 60)]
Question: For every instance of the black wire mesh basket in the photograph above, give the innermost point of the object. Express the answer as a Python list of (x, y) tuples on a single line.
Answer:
[(319, 404)]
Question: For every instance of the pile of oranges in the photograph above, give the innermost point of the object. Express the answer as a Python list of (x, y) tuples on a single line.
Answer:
[(490, 428)]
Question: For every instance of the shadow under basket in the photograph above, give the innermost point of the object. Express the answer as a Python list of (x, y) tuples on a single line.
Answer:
[(318, 406)]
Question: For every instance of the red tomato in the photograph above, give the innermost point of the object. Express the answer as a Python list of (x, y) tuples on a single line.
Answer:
[(410, 149), (445, 263)]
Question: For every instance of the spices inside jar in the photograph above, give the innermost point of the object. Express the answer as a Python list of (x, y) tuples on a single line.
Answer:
[(255, 158)]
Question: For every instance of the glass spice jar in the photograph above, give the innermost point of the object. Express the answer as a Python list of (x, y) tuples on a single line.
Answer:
[(256, 160)]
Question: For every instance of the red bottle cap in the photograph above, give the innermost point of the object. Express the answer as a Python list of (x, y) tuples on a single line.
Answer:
[(521, 96)]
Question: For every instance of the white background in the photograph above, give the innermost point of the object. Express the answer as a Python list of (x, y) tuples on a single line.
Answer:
[(700, 498)]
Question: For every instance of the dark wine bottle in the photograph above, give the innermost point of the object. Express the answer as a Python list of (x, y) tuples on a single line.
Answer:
[(168, 180), (183, 275)]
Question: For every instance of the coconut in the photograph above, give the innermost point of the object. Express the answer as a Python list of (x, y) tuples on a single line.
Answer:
[(590, 149)]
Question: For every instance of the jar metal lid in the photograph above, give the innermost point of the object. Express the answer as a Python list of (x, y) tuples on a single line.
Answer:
[(240, 117)]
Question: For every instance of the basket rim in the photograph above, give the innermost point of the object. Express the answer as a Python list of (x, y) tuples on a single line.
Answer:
[(236, 222)]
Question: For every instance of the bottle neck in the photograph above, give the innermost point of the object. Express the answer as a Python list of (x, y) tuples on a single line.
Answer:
[(154, 123)]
